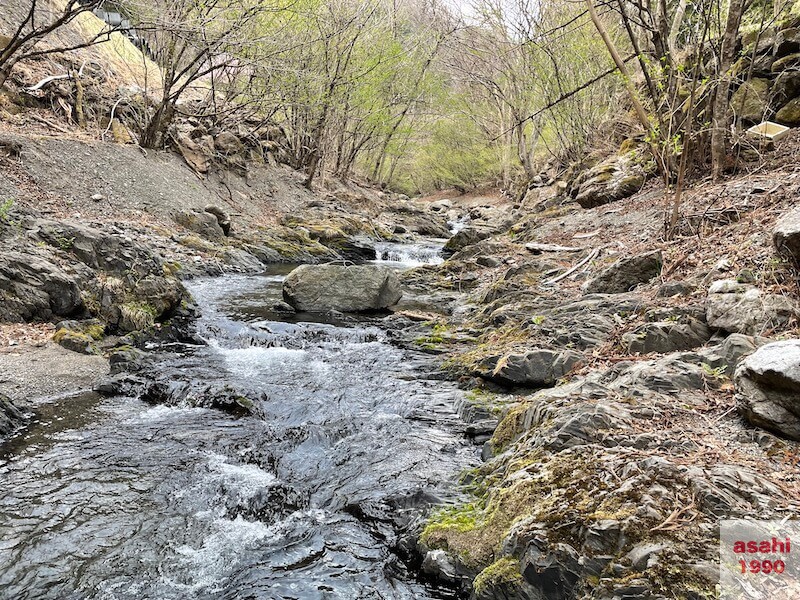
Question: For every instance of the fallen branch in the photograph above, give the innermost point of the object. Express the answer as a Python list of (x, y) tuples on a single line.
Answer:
[(111, 120), (591, 256), (47, 80), (49, 124), (539, 248), (583, 236)]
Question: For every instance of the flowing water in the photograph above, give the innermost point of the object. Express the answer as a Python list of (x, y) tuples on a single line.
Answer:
[(406, 256), (117, 499)]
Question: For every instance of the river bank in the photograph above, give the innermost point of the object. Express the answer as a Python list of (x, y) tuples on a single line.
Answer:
[(601, 372)]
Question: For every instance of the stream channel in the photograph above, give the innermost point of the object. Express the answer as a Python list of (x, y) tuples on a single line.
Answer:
[(114, 498)]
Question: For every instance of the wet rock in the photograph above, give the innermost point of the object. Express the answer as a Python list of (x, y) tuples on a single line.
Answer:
[(786, 235), (34, 289), (554, 573), (626, 273), (742, 308), (127, 360), (354, 251), (441, 565), (321, 288), (537, 368), (613, 179), (202, 223), (12, 416), (768, 388), (666, 336), (222, 397)]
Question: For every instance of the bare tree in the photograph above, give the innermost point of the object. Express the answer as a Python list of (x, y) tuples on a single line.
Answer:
[(39, 21)]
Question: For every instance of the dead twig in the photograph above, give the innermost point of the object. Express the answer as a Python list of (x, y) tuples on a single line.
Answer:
[(591, 256)]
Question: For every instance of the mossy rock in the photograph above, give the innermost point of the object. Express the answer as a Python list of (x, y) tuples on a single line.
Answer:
[(787, 62), (502, 574), (80, 336), (790, 114), (749, 102)]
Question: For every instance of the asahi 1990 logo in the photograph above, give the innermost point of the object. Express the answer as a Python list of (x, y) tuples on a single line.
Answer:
[(758, 560)]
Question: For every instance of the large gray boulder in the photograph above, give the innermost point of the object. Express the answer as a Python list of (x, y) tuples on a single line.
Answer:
[(626, 274), (768, 388), (786, 235), (356, 288), (33, 289), (741, 308)]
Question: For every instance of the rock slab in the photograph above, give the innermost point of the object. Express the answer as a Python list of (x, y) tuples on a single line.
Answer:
[(356, 288), (741, 308), (626, 274), (768, 388)]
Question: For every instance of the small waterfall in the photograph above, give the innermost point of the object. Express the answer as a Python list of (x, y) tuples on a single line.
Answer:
[(409, 255), (459, 224)]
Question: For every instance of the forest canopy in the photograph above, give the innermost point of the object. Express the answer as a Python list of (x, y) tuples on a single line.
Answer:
[(420, 95)]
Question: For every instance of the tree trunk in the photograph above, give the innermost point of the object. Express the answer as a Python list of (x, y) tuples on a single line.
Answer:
[(634, 98), (720, 119), (153, 136)]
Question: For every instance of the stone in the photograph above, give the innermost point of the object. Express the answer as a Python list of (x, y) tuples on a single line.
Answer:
[(786, 235), (749, 102), (785, 63), (640, 555), (80, 336), (466, 237), (197, 150), (626, 274), (537, 368), (785, 88), (613, 179), (441, 205), (742, 308), (488, 261), (554, 573), (12, 416), (670, 289), (228, 144), (787, 41), (768, 388), (34, 289), (99, 249), (356, 288), (666, 336), (223, 218), (727, 355), (789, 114), (201, 222), (440, 564)]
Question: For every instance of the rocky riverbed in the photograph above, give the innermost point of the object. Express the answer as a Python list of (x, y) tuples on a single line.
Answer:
[(603, 397)]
